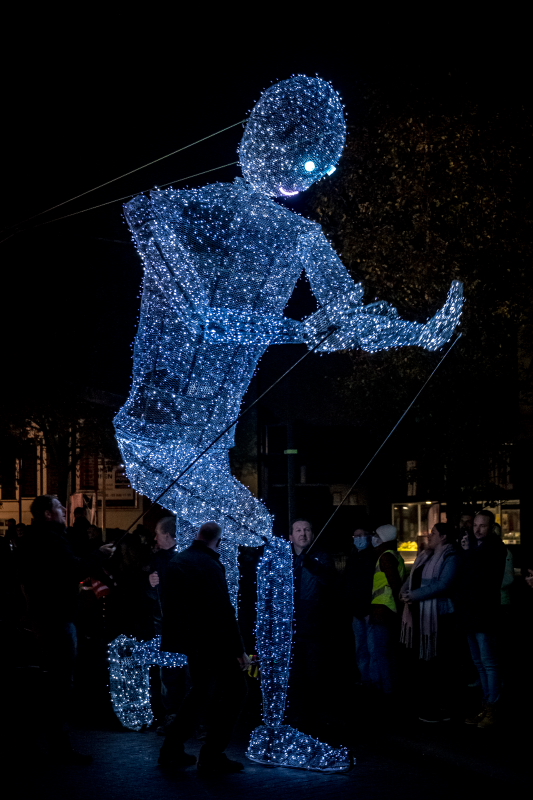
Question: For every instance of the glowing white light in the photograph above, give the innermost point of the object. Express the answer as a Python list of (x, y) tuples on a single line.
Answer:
[(331, 170), (287, 194), (309, 166), (220, 264)]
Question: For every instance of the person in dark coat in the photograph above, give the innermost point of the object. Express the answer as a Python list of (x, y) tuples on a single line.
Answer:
[(78, 535), (50, 574), (358, 577), (172, 679), (199, 621), (484, 565), (309, 706)]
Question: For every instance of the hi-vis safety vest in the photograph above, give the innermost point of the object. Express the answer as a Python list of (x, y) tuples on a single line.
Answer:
[(381, 591)]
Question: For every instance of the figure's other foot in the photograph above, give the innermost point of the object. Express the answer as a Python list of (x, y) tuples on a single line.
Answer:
[(288, 747), (218, 765)]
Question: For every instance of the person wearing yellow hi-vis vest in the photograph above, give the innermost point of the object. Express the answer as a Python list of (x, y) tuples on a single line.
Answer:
[(385, 619)]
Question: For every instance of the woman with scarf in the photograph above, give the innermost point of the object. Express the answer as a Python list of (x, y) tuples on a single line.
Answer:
[(428, 622)]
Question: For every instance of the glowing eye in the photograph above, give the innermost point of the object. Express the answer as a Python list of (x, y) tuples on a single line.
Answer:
[(331, 170), (309, 166)]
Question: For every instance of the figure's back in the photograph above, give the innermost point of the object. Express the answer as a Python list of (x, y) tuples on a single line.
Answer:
[(234, 248), (217, 259)]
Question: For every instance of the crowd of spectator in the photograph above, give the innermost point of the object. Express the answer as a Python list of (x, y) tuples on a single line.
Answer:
[(446, 619)]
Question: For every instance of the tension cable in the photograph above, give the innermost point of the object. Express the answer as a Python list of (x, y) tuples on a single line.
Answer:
[(382, 445), (330, 331), (125, 175)]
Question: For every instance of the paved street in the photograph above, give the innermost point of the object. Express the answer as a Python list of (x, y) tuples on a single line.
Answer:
[(413, 761), (396, 755)]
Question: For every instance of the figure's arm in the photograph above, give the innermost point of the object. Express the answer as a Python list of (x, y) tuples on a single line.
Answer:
[(373, 327)]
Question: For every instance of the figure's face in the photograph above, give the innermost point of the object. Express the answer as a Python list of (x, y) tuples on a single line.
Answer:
[(301, 536), (294, 136), (482, 527)]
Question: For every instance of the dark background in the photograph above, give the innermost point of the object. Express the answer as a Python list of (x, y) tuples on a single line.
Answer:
[(89, 98), (81, 108)]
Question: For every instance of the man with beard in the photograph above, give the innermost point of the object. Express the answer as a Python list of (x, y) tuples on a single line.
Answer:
[(309, 701)]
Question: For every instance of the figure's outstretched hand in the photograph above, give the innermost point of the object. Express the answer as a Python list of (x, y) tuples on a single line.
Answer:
[(107, 549), (439, 329), (153, 577)]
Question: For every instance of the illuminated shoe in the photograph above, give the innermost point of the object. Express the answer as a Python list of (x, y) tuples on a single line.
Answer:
[(287, 747)]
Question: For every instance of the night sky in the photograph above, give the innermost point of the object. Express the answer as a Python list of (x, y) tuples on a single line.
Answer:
[(81, 112)]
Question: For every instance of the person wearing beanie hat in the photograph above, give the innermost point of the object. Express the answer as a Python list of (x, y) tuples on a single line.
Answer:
[(385, 533), (384, 624)]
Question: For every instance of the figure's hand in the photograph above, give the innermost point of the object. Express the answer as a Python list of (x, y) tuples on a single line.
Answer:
[(406, 597), (244, 661), (529, 579), (107, 549), (153, 577)]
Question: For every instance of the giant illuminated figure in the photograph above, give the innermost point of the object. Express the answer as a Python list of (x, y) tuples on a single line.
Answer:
[(221, 263)]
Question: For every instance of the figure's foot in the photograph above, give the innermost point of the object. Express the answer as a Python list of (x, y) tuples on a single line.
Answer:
[(219, 765), (288, 747)]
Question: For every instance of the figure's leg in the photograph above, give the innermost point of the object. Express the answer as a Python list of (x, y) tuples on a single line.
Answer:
[(274, 627), (274, 742)]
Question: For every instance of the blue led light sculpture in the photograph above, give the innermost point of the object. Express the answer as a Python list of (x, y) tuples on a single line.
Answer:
[(129, 678), (221, 263)]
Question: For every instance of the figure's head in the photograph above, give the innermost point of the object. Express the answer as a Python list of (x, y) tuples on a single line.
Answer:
[(301, 535), (165, 533), (294, 136)]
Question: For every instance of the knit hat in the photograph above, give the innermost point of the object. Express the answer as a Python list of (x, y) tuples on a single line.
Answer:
[(387, 533)]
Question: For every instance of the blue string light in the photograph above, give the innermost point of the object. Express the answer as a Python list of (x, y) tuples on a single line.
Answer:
[(220, 264)]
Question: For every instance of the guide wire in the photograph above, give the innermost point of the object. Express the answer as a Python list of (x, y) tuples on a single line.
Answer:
[(116, 200), (382, 445), (127, 196), (330, 331), (125, 175)]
